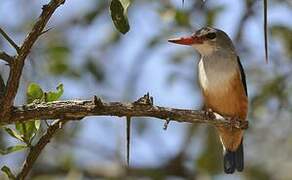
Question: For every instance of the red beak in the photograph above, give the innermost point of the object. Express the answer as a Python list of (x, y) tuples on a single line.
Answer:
[(190, 40)]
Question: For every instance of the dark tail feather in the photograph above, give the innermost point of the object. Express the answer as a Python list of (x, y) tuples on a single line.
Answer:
[(229, 162), (239, 158), (234, 160)]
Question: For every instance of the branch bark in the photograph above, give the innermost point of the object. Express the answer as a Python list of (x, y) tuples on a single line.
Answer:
[(17, 65), (78, 109)]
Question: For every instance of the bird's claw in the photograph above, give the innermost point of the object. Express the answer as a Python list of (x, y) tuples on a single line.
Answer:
[(235, 122), (243, 125), (210, 114)]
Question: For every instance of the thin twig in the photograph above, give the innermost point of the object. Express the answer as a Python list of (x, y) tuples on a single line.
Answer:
[(249, 12), (78, 109), (11, 42), (45, 31), (266, 29), (37, 149), (16, 69), (6, 57)]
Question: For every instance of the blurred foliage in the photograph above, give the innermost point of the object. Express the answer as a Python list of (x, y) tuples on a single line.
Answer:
[(210, 161), (257, 172), (284, 33), (275, 88), (95, 69), (212, 15), (58, 59), (182, 18)]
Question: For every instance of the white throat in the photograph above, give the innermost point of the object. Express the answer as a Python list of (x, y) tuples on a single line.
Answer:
[(216, 69), (205, 49)]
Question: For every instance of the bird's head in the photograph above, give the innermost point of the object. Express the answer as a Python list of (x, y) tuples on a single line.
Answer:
[(206, 41)]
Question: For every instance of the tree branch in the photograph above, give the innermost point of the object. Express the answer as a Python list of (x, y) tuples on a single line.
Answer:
[(6, 57), (37, 149), (78, 109), (17, 66)]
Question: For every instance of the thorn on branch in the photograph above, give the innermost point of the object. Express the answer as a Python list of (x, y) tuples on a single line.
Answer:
[(47, 124), (97, 102), (145, 100), (45, 31), (165, 126), (45, 7), (2, 87), (46, 96)]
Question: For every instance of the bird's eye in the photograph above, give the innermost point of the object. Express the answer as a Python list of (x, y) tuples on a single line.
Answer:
[(211, 36)]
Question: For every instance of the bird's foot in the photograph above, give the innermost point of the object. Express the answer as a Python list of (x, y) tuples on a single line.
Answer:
[(210, 113), (234, 122), (238, 123)]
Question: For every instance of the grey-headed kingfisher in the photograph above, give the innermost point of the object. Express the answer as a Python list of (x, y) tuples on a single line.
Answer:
[(222, 81)]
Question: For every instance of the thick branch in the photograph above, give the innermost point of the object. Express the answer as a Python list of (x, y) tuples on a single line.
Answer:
[(78, 109), (17, 66), (37, 149)]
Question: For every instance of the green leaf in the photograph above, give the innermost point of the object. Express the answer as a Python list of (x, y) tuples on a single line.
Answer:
[(8, 172), (28, 130), (13, 133), (118, 11), (11, 149), (54, 96), (126, 4), (37, 124), (34, 91)]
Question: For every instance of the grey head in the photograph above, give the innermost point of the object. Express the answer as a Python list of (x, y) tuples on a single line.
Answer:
[(207, 41)]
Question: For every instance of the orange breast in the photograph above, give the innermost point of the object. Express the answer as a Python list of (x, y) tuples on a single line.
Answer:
[(228, 100)]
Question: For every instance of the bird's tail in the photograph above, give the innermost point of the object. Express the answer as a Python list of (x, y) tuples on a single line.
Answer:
[(234, 160)]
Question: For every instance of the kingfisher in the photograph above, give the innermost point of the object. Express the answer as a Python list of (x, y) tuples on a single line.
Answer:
[(222, 81)]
